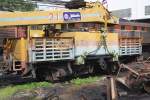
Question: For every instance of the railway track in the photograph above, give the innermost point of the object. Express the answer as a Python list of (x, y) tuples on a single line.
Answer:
[(11, 79), (14, 80), (6, 80)]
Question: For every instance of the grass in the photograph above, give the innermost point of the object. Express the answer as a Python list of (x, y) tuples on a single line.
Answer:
[(7, 92), (81, 81)]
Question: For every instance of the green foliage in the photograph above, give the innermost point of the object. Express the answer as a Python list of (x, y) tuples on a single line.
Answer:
[(80, 81), (17, 5), (7, 92)]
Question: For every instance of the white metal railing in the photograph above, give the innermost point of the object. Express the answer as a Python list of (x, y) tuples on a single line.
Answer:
[(130, 46), (51, 49), (129, 41)]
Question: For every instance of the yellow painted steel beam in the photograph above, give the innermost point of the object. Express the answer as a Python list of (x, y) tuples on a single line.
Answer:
[(94, 14)]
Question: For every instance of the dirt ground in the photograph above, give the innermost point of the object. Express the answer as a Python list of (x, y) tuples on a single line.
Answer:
[(92, 91)]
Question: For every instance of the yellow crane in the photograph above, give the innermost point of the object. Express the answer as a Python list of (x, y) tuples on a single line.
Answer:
[(58, 36)]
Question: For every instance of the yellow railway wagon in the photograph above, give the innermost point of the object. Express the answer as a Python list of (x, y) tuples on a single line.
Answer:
[(53, 44)]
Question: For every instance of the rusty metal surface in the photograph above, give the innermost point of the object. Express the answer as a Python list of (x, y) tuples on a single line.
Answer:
[(136, 75), (111, 88)]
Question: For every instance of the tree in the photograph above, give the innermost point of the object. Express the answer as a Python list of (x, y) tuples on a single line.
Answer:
[(17, 5)]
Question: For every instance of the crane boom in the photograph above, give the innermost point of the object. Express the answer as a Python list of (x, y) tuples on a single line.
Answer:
[(95, 12)]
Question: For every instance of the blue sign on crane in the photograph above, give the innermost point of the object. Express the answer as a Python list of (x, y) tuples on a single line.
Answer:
[(72, 16)]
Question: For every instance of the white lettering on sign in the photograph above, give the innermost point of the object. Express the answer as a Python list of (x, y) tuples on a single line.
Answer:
[(75, 15), (91, 15)]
